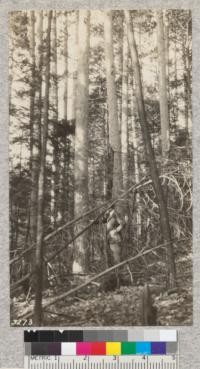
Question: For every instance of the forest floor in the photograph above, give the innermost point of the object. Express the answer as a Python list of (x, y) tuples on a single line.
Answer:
[(93, 306)]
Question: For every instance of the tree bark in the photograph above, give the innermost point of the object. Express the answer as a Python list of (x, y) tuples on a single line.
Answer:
[(32, 117), (32, 88), (114, 128), (56, 158), (164, 218), (187, 78), (164, 113), (124, 121), (41, 188), (36, 126), (81, 140), (136, 166)]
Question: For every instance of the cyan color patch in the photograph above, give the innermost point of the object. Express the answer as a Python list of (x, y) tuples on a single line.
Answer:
[(143, 348)]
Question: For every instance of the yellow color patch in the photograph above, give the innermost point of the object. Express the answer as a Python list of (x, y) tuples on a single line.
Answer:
[(113, 348)]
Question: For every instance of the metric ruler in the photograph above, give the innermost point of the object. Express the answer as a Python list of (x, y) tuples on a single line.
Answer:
[(102, 362)]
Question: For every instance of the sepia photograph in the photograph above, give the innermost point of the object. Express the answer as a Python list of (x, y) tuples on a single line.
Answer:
[(100, 167)]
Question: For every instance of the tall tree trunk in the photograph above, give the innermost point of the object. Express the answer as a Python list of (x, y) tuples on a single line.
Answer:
[(175, 110), (81, 140), (164, 114), (167, 45), (66, 144), (114, 127), (115, 234), (32, 117), (186, 76), (36, 127), (124, 121), (136, 166), (32, 89), (70, 113), (56, 158), (41, 188), (164, 218)]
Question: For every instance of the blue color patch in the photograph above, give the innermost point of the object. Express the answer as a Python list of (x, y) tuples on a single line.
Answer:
[(143, 348)]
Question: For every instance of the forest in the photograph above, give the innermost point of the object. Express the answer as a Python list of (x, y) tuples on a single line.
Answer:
[(100, 167)]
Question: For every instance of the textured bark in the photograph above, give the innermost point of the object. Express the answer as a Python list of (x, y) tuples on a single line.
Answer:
[(66, 144), (187, 79), (81, 140), (41, 188), (56, 159), (164, 114), (136, 165), (36, 127), (32, 89), (164, 218), (124, 121), (117, 215), (114, 127), (32, 117)]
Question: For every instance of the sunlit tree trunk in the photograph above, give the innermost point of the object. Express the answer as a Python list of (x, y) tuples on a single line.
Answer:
[(164, 218), (81, 140), (41, 187), (164, 114), (114, 128), (114, 234)]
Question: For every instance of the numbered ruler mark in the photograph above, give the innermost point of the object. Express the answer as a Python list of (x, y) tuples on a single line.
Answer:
[(101, 362)]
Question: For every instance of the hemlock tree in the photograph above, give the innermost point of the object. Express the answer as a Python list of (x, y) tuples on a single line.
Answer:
[(81, 141), (114, 128)]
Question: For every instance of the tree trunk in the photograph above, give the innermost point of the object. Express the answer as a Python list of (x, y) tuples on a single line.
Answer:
[(124, 121), (186, 76), (56, 158), (116, 217), (167, 45), (36, 126), (114, 128), (28, 258), (164, 219), (41, 188), (164, 114), (81, 140), (136, 166), (65, 142), (175, 104), (32, 89)]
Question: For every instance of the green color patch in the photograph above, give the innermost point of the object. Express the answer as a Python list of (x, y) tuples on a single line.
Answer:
[(128, 348)]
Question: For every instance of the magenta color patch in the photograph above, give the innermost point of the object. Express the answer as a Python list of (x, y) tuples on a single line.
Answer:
[(83, 348)]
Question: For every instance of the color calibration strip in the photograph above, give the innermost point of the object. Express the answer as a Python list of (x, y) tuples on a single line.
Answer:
[(131, 335), (100, 348)]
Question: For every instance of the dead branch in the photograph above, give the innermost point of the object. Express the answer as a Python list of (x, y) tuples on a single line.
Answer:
[(50, 235), (53, 300)]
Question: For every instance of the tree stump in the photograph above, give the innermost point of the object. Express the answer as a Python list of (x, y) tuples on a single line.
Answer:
[(149, 312)]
